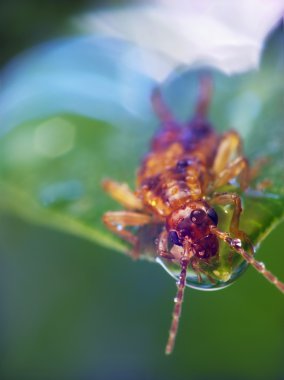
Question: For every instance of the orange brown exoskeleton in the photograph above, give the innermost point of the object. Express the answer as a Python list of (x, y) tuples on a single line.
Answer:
[(177, 186)]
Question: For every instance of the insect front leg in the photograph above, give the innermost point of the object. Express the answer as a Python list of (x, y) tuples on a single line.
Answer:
[(117, 221), (259, 266), (163, 246), (196, 267), (122, 194), (235, 200)]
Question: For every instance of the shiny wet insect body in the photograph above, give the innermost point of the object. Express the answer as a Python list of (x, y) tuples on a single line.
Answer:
[(180, 191)]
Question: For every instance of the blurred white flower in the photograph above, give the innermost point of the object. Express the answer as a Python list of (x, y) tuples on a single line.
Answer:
[(227, 35)]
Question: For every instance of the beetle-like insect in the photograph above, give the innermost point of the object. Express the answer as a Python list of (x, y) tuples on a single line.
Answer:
[(177, 188)]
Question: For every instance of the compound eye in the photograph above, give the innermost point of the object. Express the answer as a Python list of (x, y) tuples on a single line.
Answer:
[(213, 215), (182, 165), (173, 238), (197, 216)]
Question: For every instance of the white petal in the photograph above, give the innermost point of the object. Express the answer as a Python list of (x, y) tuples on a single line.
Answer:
[(227, 35), (88, 76)]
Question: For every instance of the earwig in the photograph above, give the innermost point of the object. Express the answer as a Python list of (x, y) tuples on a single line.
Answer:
[(177, 187)]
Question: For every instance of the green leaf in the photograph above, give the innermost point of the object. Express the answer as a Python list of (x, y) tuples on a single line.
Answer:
[(74, 112)]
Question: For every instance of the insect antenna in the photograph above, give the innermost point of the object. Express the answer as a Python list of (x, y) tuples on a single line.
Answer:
[(160, 107), (177, 308), (204, 97), (179, 298), (236, 245)]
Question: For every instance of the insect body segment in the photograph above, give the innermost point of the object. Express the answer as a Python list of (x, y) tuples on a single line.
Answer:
[(177, 187)]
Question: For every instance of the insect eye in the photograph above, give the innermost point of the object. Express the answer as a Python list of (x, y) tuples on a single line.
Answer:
[(182, 165), (173, 238), (213, 215), (197, 216)]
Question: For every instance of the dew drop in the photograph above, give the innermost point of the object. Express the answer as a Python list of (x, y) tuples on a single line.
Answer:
[(236, 243), (261, 266), (217, 274), (175, 300)]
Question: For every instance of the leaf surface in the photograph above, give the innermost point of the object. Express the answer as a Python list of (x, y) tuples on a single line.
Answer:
[(75, 112)]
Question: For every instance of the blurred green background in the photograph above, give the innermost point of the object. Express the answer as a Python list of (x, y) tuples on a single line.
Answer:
[(70, 309)]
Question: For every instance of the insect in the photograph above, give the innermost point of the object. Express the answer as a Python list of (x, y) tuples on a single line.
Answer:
[(178, 188)]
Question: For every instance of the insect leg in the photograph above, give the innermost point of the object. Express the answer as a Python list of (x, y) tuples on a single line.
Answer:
[(259, 266), (199, 271), (257, 166), (117, 221), (238, 167), (122, 194), (160, 107), (235, 200), (229, 146), (163, 246)]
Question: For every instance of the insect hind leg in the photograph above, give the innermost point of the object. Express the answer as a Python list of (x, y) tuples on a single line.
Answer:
[(237, 168), (229, 146)]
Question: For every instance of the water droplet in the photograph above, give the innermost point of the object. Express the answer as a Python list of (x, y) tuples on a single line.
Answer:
[(236, 243), (217, 274), (261, 266), (175, 300)]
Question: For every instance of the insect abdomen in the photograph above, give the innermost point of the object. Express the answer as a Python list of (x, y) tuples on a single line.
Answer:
[(175, 173)]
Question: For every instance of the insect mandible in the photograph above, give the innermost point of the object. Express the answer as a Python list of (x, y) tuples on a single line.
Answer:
[(178, 188)]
